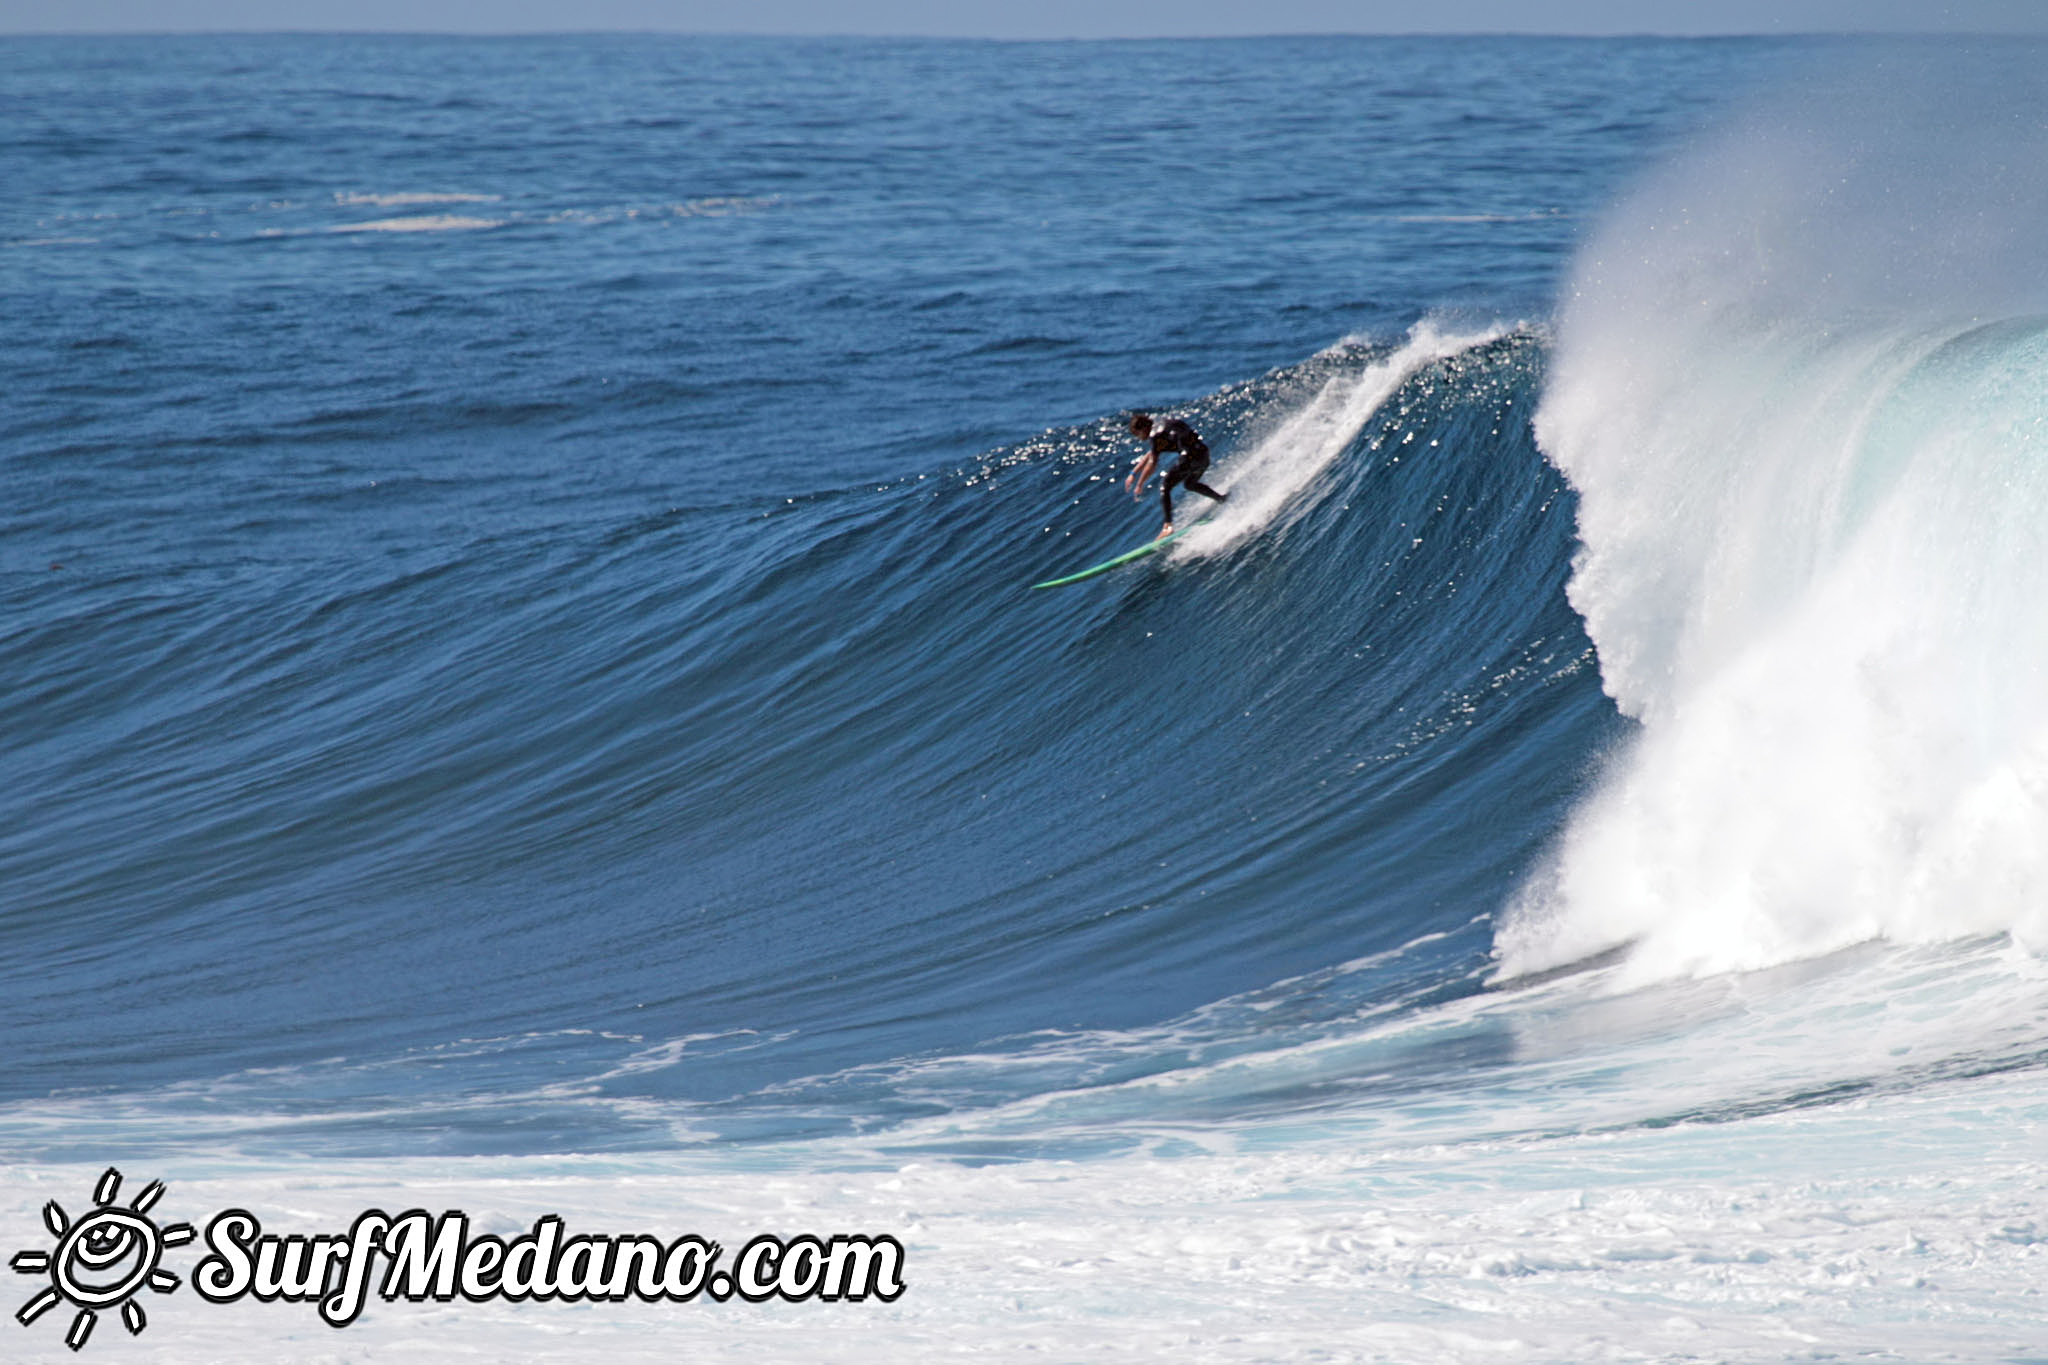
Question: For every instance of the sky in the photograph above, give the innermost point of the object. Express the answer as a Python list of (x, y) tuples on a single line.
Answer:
[(1029, 18)]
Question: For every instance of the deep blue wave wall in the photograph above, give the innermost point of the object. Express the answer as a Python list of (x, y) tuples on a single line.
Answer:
[(543, 528)]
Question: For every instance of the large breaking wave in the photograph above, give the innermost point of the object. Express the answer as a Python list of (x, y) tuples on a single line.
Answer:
[(1801, 387)]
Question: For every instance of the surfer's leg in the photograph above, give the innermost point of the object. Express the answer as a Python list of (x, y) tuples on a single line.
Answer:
[(1191, 467), (1173, 476)]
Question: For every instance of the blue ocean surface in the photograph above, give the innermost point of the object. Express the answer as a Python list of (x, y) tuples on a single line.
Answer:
[(516, 658)]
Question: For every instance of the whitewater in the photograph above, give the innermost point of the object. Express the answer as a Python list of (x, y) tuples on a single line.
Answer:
[(521, 694)]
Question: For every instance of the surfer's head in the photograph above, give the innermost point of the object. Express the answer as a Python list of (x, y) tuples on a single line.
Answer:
[(1141, 424)]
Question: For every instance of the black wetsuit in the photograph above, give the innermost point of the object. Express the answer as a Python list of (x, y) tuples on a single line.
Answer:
[(1190, 463)]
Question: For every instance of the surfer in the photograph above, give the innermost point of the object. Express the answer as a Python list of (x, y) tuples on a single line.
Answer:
[(1191, 461)]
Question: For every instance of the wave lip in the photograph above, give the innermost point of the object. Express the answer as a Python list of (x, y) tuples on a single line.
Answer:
[(1268, 480)]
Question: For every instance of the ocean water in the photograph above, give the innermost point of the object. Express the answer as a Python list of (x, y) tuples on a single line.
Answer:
[(518, 689)]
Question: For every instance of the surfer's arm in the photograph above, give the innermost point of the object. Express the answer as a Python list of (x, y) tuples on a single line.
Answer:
[(1141, 473)]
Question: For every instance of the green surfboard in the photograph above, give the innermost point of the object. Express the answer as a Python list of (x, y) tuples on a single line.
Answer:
[(1149, 547)]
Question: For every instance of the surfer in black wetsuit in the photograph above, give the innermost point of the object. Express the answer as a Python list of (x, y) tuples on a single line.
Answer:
[(1191, 461)]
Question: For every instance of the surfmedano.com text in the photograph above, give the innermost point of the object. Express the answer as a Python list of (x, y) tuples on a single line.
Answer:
[(440, 1259)]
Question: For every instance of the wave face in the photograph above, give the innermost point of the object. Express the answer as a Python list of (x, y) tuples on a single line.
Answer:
[(1799, 388), (540, 659), (857, 794)]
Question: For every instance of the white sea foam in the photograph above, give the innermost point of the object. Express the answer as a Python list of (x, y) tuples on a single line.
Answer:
[(397, 200), (1266, 481), (1606, 1193), (428, 222), (1813, 478), (711, 206)]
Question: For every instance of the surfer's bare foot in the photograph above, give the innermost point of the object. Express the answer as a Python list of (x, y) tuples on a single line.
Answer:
[(1164, 531)]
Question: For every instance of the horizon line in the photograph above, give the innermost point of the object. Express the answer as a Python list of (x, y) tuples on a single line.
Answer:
[(912, 35)]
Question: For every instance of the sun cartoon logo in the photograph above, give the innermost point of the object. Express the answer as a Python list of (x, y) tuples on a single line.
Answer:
[(103, 1259)]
